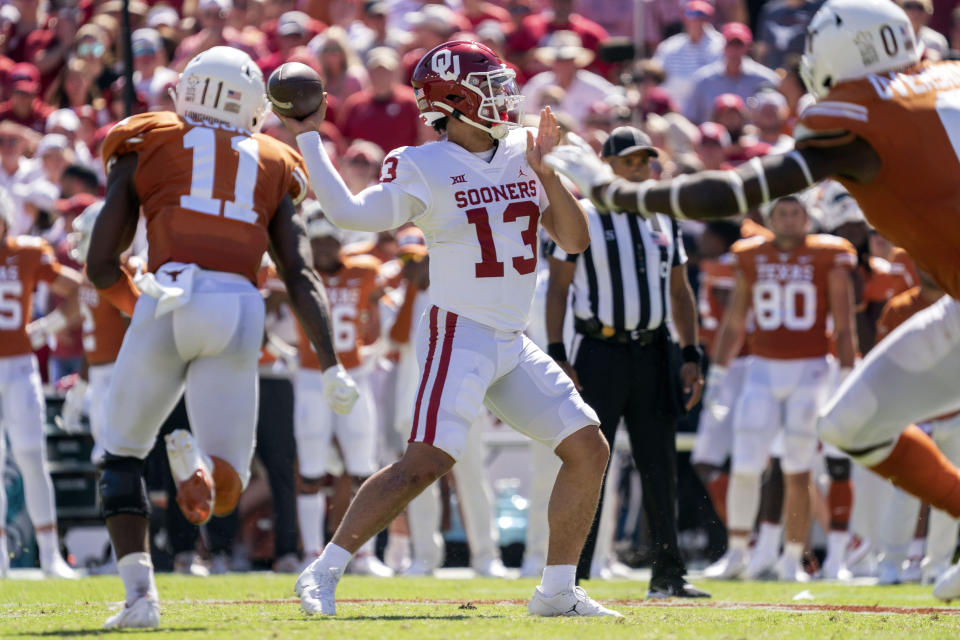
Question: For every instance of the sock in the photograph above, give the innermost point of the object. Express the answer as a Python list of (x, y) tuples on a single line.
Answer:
[(397, 553), (310, 512), (837, 542), (558, 578), (918, 467), (335, 557), (915, 550), (793, 550), (136, 571), (768, 541), (840, 503), (717, 490), (48, 545), (743, 501), (4, 555), (738, 542)]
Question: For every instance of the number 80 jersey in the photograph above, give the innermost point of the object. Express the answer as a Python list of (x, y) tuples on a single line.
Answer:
[(208, 192), (481, 221), (790, 293)]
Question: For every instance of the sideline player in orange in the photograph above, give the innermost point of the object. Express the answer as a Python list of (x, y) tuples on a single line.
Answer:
[(792, 284), (26, 261), (887, 127), (216, 194)]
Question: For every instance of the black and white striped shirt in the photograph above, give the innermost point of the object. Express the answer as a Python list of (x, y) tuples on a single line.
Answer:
[(623, 278)]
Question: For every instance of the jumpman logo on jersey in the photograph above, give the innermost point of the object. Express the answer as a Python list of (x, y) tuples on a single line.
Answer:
[(174, 274), (521, 174), (460, 179)]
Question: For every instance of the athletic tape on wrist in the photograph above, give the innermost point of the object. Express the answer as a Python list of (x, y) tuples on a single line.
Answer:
[(757, 165), (675, 186), (736, 183), (796, 157), (608, 192)]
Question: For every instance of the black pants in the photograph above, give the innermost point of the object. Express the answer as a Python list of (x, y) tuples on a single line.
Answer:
[(275, 448), (638, 383)]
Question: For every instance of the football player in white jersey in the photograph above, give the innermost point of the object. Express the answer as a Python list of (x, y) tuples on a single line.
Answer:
[(479, 196)]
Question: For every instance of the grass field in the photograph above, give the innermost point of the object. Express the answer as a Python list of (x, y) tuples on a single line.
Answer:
[(262, 605)]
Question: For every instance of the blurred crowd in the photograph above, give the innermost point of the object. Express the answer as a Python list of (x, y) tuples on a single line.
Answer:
[(714, 84)]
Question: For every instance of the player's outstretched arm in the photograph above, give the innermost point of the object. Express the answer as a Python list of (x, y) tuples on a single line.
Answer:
[(113, 233), (377, 208), (718, 194), (290, 250)]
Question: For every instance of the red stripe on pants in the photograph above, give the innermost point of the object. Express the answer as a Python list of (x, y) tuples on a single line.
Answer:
[(426, 371), (437, 391)]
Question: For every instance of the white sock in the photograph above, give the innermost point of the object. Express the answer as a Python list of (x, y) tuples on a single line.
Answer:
[(768, 541), (793, 550), (558, 578), (743, 501), (48, 544), (4, 555), (397, 553), (738, 543), (334, 557), (837, 542), (136, 571), (310, 516), (916, 549)]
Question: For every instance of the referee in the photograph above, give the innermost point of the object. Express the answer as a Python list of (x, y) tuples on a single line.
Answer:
[(626, 285)]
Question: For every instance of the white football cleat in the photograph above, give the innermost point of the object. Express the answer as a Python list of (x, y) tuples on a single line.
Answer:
[(834, 568), (193, 473), (58, 568), (287, 563), (318, 594), (888, 572), (762, 564), (932, 572), (369, 565), (144, 613), (532, 566), (416, 569), (490, 568), (947, 587), (186, 563), (568, 603), (730, 566), (790, 569)]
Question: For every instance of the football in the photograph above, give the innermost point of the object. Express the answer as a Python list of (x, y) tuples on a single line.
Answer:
[(295, 90)]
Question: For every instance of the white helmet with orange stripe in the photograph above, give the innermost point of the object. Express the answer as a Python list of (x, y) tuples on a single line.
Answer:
[(849, 39)]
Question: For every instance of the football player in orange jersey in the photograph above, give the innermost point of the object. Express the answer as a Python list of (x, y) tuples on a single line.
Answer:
[(353, 287), (792, 284), (216, 194), (26, 261), (877, 104)]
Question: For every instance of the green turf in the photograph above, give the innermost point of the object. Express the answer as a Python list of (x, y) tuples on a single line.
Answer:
[(263, 606)]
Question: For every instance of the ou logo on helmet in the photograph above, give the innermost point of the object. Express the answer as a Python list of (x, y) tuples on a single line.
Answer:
[(446, 65)]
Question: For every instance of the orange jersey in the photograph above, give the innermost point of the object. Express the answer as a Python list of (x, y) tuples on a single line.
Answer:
[(24, 261), (789, 293), (886, 279), (208, 192), (716, 277), (912, 120), (350, 291), (103, 324)]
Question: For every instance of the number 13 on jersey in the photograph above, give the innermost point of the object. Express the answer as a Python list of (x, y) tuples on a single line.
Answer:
[(490, 266)]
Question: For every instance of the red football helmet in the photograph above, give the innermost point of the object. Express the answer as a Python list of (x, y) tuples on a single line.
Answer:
[(466, 80)]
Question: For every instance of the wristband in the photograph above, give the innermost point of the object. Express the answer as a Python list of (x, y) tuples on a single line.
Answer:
[(557, 351), (691, 353)]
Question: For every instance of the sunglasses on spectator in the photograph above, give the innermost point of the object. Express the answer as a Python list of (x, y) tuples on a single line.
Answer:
[(914, 6), (95, 49), (8, 141), (694, 14)]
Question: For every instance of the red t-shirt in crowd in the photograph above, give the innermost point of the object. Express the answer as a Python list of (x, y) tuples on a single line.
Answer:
[(389, 123)]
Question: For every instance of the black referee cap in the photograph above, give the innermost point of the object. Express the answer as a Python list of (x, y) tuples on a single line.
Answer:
[(626, 140)]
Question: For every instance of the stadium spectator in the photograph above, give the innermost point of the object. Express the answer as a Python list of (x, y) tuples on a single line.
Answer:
[(683, 54), (566, 59), (782, 29), (730, 111), (67, 123), (935, 45), (430, 26), (212, 16), (24, 105), (478, 11), (343, 73), (736, 73), (371, 29), (49, 48), (713, 146), (361, 165), (535, 28), (386, 113), (292, 32), (73, 88), (768, 113), (490, 33), (150, 75)]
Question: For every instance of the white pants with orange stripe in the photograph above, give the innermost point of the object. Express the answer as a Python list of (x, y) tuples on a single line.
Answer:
[(466, 365)]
